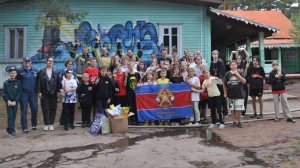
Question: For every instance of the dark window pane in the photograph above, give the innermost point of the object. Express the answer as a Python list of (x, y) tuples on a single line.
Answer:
[(166, 31), (12, 43), (174, 31), (166, 41), (20, 43), (174, 41)]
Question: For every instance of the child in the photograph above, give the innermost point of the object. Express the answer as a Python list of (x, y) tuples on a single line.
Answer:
[(120, 94), (194, 82), (176, 76), (104, 90), (203, 96), (11, 95), (183, 69), (277, 79), (149, 81), (85, 97), (163, 79), (233, 89), (69, 86), (132, 78), (255, 78), (153, 65), (214, 97)]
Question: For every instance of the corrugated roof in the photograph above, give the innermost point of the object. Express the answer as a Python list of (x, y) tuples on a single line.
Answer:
[(241, 18), (270, 18), (276, 41)]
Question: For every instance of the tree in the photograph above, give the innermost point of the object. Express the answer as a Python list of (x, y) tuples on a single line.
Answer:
[(56, 7), (295, 31), (286, 6)]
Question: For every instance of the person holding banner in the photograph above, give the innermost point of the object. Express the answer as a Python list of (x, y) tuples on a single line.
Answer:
[(194, 82), (233, 89)]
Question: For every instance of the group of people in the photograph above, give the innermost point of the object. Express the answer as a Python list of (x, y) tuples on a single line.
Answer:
[(102, 79)]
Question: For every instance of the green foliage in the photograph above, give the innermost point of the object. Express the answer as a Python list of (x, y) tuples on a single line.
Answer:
[(295, 31), (55, 7), (286, 6)]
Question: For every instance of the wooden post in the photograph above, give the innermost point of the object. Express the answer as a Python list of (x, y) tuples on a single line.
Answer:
[(261, 48)]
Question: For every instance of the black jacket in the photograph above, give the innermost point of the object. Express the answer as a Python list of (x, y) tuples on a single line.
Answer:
[(104, 89), (217, 69), (277, 83), (85, 95), (12, 90), (46, 85)]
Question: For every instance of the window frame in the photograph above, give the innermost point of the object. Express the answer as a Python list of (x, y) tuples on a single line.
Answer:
[(7, 43), (179, 36)]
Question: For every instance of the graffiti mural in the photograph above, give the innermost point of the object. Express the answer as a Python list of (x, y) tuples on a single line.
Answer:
[(143, 31)]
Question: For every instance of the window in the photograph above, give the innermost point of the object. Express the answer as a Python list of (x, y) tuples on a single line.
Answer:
[(170, 37), (15, 43)]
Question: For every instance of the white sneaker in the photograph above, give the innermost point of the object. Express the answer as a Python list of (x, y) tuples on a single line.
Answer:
[(51, 128), (222, 126), (46, 128), (190, 124), (197, 124), (212, 126)]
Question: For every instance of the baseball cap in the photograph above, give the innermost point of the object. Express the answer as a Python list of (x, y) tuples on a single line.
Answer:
[(26, 59)]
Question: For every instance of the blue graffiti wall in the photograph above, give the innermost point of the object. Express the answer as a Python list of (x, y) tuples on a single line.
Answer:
[(143, 31)]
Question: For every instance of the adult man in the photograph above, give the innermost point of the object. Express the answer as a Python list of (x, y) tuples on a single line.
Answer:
[(28, 77), (93, 72), (186, 55), (47, 88), (130, 54), (164, 57), (83, 60)]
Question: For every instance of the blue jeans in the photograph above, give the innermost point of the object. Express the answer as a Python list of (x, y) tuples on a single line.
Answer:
[(31, 98)]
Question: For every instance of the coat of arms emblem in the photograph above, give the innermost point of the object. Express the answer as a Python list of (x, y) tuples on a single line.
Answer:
[(165, 98)]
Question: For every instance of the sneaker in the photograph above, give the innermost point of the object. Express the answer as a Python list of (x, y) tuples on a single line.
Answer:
[(234, 124), (239, 125), (9, 135), (46, 128), (260, 116), (25, 131), (190, 124), (51, 127), (212, 126), (291, 120), (33, 128), (277, 119), (197, 124), (253, 116), (88, 124), (222, 126), (13, 134), (72, 126), (66, 127)]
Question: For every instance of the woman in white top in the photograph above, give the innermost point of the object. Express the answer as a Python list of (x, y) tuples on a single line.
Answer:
[(69, 86)]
